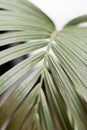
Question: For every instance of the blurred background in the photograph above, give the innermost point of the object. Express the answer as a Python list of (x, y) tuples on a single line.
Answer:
[(61, 11)]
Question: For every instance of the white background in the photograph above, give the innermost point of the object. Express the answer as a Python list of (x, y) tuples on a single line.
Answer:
[(61, 11)]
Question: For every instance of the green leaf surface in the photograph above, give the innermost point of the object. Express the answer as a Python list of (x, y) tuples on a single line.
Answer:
[(53, 92)]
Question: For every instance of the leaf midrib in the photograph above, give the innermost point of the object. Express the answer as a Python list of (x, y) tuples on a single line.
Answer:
[(44, 66)]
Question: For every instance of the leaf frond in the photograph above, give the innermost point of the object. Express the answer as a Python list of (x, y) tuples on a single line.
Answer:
[(51, 83)]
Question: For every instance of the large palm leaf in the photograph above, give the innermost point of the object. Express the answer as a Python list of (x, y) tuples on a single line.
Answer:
[(49, 88)]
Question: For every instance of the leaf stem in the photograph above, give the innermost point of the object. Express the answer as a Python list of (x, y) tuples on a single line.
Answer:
[(44, 63), (43, 68)]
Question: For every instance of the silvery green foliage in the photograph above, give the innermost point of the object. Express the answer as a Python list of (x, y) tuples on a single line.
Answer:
[(52, 96)]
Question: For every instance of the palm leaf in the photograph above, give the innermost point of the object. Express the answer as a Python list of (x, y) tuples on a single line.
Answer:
[(47, 90)]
